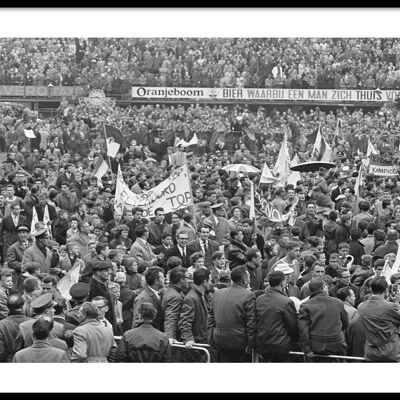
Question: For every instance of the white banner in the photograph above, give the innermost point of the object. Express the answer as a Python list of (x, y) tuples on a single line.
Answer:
[(174, 193), (320, 95), (382, 170)]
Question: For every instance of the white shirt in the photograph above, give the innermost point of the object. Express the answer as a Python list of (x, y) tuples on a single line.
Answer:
[(156, 293), (15, 219)]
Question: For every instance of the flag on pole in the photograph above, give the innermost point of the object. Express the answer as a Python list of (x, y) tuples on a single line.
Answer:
[(266, 175), (112, 147), (281, 169), (358, 183), (65, 283), (101, 168), (34, 219), (252, 213), (294, 176), (387, 272), (112, 131), (194, 140), (321, 150), (371, 148)]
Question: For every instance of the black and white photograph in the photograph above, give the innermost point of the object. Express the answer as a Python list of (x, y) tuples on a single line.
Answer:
[(206, 196)]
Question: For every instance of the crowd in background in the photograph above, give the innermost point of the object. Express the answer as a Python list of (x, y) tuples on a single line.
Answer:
[(116, 64)]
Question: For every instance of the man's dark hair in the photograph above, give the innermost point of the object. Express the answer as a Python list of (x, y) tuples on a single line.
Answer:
[(233, 234), (147, 311), (316, 284), (251, 253), (238, 274), (343, 293), (309, 260), (152, 274), (364, 205), (176, 274), (313, 240), (100, 247), (275, 278), (15, 302), (200, 275), (140, 231), (50, 279), (157, 210), (60, 307), (41, 329), (173, 261), (378, 285)]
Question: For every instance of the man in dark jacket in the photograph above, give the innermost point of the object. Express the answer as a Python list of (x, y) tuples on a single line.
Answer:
[(9, 327), (236, 253), (196, 306), (99, 287), (144, 343), (232, 319), (277, 329), (155, 282), (172, 300), (322, 322), (254, 267)]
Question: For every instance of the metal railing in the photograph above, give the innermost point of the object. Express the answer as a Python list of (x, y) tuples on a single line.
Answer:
[(256, 357), (201, 347)]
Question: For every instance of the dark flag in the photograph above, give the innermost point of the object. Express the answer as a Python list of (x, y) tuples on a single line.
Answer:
[(313, 137), (111, 131), (295, 132)]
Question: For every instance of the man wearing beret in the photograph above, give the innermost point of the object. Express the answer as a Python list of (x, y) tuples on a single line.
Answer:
[(15, 254)]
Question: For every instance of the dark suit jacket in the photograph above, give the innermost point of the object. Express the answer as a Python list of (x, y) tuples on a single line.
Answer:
[(195, 246), (193, 322), (174, 251), (171, 304), (8, 232), (148, 296)]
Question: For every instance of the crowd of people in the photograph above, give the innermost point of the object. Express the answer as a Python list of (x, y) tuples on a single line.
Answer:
[(207, 274), (116, 64)]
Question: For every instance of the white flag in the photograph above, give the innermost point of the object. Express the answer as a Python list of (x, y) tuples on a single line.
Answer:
[(266, 175), (252, 213), (371, 148), (387, 272), (193, 140), (65, 283), (358, 183), (281, 169), (34, 219), (112, 147)]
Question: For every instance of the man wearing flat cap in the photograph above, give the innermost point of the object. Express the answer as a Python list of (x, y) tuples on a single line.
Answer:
[(220, 224), (98, 284), (79, 293), (15, 254), (42, 251), (41, 306)]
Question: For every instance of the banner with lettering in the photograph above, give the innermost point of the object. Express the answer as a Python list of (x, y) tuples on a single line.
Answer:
[(379, 166), (320, 95), (174, 193)]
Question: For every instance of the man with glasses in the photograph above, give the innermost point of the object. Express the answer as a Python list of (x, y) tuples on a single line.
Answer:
[(172, 300), (180, 250)]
